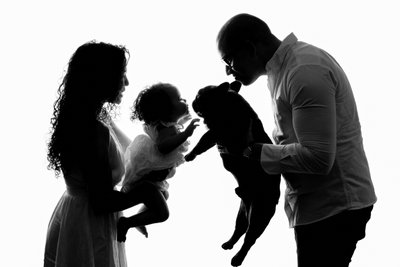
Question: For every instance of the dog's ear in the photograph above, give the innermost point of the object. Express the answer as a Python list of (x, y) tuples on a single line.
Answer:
[(235, 86)]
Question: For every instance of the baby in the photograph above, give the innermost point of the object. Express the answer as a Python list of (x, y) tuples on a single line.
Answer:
[(163, 112)]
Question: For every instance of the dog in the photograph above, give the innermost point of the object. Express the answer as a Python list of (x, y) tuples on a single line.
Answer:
[(233, 126)]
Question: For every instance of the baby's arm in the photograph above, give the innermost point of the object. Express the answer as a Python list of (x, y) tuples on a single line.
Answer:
[(206, 142), (169, 139)]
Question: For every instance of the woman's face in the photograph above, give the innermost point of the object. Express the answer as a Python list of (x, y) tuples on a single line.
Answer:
[(124, 82)]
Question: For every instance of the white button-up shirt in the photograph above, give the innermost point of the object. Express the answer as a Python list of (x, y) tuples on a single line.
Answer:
[(318, 143)]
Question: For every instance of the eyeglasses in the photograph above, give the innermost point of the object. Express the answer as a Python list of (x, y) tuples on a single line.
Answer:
[(228, 60)]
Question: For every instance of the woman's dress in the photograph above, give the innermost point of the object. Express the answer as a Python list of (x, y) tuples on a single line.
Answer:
[(76, 236)]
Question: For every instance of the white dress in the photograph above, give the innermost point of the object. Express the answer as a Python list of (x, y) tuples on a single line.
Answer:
[(142, 157), (76, 237)]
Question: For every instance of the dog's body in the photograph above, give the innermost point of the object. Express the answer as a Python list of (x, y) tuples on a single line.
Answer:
[(233, 125)]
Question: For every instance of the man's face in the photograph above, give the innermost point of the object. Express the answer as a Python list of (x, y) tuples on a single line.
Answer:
[(240, 63)]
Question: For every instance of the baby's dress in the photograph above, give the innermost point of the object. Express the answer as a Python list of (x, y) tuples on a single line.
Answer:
[(142, 157), (76, 236)]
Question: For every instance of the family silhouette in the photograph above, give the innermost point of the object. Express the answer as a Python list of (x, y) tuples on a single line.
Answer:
[(316, 147)]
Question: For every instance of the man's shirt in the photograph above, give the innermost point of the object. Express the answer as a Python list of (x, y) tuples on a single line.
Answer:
[(318, 143)]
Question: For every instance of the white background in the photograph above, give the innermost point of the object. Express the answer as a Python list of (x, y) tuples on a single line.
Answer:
[(174, 41)]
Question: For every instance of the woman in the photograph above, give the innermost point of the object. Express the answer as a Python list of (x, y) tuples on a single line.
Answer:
[(82, 229)]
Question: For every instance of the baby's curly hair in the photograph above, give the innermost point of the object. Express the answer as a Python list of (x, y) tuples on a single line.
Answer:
[(153, 104)]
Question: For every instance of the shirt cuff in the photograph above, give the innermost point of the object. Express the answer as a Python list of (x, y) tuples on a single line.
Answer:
[(270, 158)]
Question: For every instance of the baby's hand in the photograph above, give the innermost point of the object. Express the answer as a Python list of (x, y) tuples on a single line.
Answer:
[(185, 119), (193, 124)]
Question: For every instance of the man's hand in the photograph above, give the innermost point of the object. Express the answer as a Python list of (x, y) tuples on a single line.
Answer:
[(253, 152)]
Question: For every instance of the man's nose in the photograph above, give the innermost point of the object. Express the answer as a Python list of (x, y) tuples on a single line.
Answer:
[(126, 81)]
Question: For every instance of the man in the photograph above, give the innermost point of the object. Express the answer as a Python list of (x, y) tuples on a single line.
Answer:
[(318, 143)]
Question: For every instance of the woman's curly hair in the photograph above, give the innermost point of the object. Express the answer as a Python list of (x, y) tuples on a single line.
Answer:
[(153, 104), (94, 77)]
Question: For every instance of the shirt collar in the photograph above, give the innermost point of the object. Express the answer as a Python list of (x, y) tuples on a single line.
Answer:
[(279, 55)]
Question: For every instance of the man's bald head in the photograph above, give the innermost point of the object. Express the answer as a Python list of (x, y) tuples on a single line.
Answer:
[(242, 28)]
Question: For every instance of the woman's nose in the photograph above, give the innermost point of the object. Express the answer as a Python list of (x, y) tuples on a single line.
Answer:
[(126, 81)]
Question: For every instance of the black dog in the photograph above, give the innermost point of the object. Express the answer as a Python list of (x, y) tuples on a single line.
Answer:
[(233, 126)]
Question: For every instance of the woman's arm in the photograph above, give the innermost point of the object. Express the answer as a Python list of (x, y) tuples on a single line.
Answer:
[(122, 138), (102, 196)]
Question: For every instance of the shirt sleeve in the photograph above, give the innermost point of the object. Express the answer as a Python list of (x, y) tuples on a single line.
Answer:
[(310, 97)]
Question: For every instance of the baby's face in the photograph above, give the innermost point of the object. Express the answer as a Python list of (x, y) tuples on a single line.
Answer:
[(178, 104)]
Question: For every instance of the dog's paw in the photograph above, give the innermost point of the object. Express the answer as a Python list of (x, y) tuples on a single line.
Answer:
[(238, 258), (190, 157), (227, 245)]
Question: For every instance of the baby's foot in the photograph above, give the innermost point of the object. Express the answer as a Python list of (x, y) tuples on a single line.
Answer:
[(122, 229), (142, 229)]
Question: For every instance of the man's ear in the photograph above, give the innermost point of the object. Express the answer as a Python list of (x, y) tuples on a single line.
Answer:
[(235, 86), (251, 47)]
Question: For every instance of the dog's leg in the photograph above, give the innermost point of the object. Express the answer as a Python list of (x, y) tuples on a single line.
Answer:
[(259, 216), (240, 227)]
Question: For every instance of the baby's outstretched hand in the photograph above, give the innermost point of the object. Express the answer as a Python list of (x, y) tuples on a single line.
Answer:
[(193, 124)]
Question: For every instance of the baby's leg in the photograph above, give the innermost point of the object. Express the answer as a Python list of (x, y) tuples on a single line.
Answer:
[(261, 212), (157, 211), (240, 227), (142, 229)]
